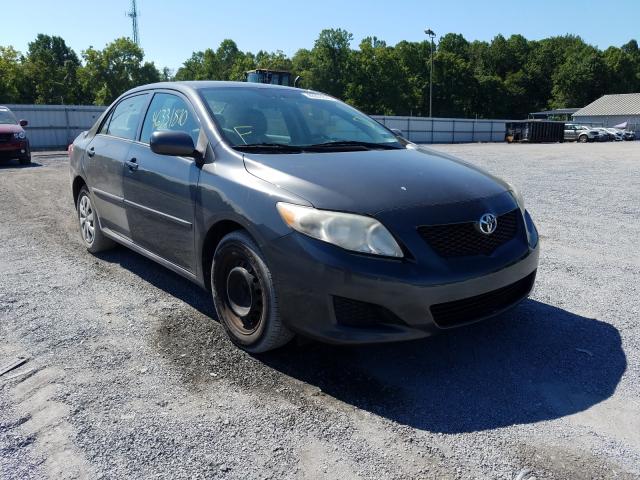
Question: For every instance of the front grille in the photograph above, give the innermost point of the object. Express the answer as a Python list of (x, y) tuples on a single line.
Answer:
[(459, 312), (5, 137), (354, 313), (463, 239)]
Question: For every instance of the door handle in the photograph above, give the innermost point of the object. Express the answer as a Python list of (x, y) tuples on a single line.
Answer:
[(91, 152), (132, 164)]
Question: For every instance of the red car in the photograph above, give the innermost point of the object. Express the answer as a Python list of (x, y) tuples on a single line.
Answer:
[(13, 140)]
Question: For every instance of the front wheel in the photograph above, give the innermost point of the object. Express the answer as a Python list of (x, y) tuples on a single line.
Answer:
[(26, 160), (244, 295), (583, 139)]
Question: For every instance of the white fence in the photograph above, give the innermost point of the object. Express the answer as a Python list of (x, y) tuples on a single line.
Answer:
[(446, 130), (55, 126)]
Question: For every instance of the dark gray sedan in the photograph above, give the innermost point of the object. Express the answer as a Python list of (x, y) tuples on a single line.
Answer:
[(301, 214)]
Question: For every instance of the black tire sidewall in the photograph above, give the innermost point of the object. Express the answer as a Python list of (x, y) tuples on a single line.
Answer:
[(253, 342)]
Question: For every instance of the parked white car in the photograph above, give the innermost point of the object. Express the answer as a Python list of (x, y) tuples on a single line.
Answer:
[(581, 133)]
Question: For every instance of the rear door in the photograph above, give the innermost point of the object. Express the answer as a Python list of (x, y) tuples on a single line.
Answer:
[(159, 190), (104, 161)]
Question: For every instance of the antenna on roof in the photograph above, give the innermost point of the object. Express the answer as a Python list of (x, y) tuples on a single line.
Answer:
[(133, 14)]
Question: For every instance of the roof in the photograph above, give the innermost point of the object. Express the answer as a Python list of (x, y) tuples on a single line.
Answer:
[(190, 85), (267, 70), (619, 104), (198, 84), (535, 120), (557, 111)]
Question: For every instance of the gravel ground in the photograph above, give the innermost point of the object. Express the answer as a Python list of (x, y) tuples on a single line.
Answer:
[(129, 377)]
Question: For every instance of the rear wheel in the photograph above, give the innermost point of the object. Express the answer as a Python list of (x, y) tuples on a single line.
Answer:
[(244, 295), (90, 230)]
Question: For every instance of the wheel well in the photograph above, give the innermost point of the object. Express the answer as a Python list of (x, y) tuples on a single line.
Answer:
[(78, 183), (211, 241)]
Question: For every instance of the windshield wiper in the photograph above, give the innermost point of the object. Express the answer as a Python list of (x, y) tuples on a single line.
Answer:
[(269, 147), (352, 143)]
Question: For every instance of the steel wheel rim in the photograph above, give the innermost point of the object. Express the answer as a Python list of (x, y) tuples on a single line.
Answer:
[(243, 310), (241, 291), (87, 219)]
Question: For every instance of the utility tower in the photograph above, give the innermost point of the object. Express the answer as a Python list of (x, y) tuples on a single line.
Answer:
[(133, 14)]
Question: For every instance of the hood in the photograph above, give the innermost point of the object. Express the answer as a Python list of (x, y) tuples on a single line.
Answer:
[(377, 180), (10, 128)]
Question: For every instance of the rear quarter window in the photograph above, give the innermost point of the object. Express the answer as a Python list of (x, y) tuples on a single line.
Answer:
[(123, 121)]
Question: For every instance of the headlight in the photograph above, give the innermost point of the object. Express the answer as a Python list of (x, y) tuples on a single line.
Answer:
[(351, 232), (517, 196), (19, 135)]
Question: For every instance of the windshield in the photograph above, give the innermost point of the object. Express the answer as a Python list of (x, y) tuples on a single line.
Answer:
[(292, 118), (6, 116)]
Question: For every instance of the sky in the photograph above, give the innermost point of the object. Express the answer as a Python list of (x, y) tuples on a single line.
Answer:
[(170, 30)]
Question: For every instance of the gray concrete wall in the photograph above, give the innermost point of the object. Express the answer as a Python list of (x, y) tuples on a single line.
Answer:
[(446, 130), (55, 126)]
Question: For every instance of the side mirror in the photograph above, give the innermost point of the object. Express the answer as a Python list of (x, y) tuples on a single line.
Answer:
[(167, 142), (23, 123)]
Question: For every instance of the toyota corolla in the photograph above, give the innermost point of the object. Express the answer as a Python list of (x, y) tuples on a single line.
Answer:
[(301, 214)]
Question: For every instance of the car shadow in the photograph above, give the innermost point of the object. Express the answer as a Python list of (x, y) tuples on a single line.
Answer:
[(537, 362), (162, 278), (15, 165)]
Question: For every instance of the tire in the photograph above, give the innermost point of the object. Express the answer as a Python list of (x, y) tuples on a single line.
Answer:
[(90, 230), (25, 160), (244, 295), (583, 139)]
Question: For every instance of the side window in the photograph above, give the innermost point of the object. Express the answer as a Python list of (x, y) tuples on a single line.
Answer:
[(169, 112), (125, 117)]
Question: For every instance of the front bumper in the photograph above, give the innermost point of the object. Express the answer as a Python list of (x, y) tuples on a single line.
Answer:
[(14, 149), (314, 278)]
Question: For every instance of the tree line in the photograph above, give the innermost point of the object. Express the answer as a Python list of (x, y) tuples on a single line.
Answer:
[(503, 78)]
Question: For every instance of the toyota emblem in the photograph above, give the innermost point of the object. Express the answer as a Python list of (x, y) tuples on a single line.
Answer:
[(488, 223)]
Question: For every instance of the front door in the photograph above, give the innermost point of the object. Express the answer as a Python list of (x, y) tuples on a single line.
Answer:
[(104, 162), (160, 190)]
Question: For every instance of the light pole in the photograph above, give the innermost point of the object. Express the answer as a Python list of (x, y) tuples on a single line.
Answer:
[(431, 34)]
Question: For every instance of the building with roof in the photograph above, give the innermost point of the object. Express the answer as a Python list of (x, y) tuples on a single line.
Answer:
[(563, 114), (611, 111)]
